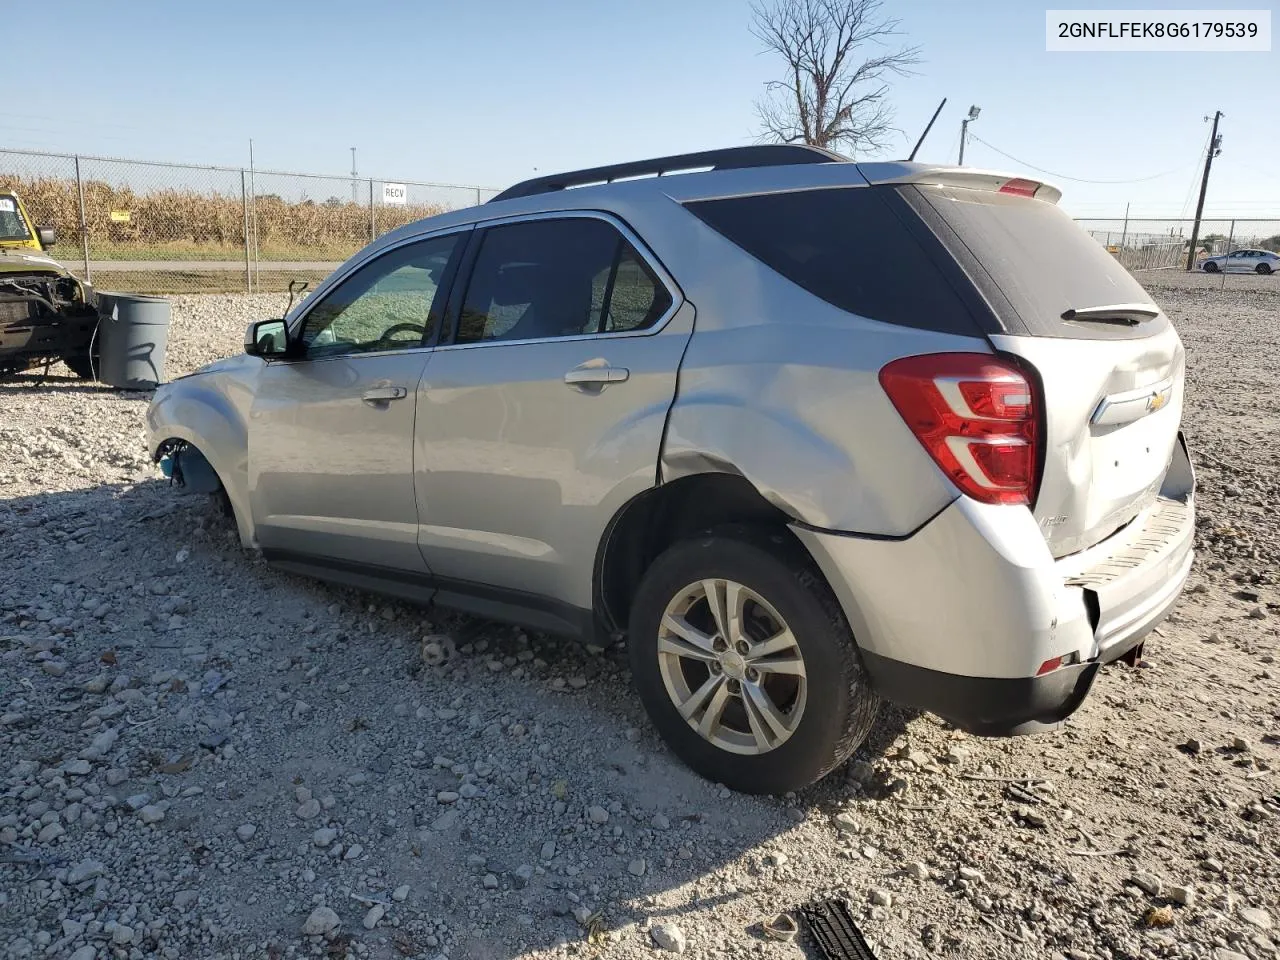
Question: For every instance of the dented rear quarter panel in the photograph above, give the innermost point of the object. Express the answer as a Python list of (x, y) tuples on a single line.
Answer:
[(782, 388)]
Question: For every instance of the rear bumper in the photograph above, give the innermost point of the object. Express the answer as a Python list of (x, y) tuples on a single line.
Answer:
[(958, 618), (987, 706)]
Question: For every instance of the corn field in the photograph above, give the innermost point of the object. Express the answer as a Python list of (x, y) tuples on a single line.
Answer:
[(151, 227), (183, 221)]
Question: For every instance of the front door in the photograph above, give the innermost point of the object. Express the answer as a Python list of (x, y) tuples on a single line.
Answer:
[(545, 412), (331, 429)]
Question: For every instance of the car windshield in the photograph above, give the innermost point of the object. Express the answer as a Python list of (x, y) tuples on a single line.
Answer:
[(12, 226)]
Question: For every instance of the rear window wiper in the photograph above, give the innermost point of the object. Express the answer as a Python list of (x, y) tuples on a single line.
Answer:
[(1129, 314)]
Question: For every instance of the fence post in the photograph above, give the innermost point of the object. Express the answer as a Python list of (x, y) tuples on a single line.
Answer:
[(1124, 234), (373, 216), (84, 225), (244, 199), (478, 200), (1231, 235)]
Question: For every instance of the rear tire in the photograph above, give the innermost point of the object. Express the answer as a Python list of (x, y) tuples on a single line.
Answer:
[(1210, 267), (822, 704), (1262, 269)]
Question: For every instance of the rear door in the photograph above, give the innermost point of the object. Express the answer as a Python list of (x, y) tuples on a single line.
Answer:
[(1111, 364), (545, 413), (1251, 260)]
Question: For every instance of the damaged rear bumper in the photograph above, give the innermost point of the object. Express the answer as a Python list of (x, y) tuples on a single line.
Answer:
[(961, 617), (987, 706)]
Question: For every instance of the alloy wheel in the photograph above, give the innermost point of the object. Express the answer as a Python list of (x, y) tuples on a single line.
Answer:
[(732, 666)]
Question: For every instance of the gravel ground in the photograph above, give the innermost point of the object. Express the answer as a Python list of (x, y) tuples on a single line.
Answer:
[(203, 757)]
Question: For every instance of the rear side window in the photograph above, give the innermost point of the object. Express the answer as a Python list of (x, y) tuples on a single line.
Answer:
[(1030, 259), (850, 246), (541, 279)]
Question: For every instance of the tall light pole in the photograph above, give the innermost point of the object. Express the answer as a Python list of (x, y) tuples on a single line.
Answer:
[(964, 130), (1215, 148)]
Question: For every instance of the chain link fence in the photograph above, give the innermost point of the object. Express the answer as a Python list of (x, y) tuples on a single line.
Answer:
[(1163, 244), (148, 227)]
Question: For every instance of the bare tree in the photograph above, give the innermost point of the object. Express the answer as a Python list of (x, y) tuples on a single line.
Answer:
[(830, 99)]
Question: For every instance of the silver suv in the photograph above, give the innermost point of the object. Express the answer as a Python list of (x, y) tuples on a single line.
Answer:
[(808, 433)]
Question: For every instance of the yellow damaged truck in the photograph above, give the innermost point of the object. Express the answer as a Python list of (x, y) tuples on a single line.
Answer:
[(46, 313)]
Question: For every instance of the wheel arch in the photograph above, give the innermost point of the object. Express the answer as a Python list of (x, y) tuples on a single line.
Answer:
[(206, 421), (649, 523)]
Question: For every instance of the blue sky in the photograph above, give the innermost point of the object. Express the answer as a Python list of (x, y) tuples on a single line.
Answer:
[(489, 91)]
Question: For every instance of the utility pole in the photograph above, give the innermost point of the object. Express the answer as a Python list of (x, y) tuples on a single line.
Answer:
[(355, 196), (1215, 148), (964, 131)]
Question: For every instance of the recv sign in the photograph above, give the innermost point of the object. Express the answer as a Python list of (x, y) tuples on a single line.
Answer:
[(394, 194)]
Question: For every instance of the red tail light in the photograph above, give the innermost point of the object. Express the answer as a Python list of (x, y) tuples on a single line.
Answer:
[(976, 416)]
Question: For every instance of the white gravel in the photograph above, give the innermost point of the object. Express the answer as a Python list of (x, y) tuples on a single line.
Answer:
[(203, 757)]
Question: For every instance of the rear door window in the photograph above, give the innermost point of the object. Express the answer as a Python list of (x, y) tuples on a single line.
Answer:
[(854, 247), (546, 278), (1031, 261)]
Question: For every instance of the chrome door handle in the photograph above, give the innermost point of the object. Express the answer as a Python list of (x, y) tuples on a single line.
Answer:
[(596, 376), (383, 394)]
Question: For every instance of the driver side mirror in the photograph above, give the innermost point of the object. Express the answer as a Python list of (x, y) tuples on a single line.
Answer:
[(267, 339), (47, 236)]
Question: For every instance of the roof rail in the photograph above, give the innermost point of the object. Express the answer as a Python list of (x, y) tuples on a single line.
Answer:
[(732, 158)]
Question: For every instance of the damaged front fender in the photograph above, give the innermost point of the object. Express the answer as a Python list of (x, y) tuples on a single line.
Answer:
[(199, 420)]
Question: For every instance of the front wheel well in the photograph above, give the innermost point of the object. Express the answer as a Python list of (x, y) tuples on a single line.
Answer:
[(663, 516), (166, 447), (191, 468)]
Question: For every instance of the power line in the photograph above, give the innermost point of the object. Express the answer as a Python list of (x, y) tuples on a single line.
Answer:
[(955, 142), (1257, 171), (1063, 176), (1191, 187)]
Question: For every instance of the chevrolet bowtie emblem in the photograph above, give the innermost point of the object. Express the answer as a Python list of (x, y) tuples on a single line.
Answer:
[(1157, 401)]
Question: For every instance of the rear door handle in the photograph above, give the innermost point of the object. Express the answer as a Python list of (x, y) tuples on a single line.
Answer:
[(596, 376), (383, 394)]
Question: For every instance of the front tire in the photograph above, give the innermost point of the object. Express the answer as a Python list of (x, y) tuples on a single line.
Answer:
[(746, 664), (1262, 269)]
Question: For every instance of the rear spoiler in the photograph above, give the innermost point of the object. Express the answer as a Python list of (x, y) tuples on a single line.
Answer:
[(965, 177)]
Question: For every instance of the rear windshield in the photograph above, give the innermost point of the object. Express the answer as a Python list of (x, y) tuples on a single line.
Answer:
[(12, 226), (855, 248), (1028, 257)]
